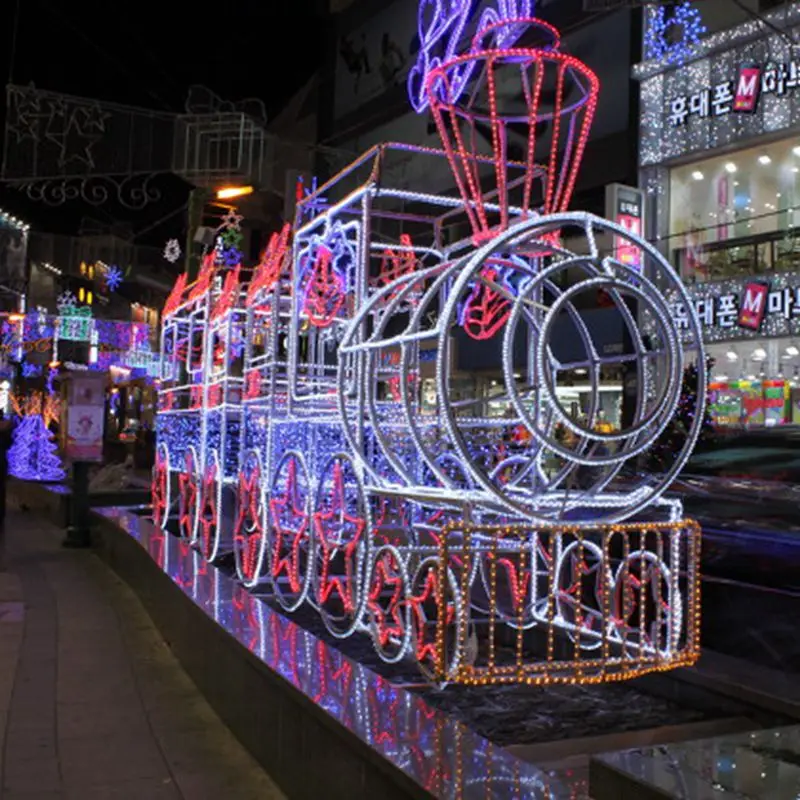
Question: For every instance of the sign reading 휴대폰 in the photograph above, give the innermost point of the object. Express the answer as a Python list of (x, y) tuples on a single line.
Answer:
[(739, 95), (744, 308), (730, 96)]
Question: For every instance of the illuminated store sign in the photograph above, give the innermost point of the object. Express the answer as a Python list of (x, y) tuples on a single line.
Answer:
[(744, 308), (745, 88), (625, 206), (739, 96)]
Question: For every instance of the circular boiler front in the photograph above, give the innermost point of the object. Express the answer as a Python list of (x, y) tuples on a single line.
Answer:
[(535, 303)]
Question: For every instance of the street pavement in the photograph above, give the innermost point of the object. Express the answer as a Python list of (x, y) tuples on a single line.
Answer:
[(93, 706)]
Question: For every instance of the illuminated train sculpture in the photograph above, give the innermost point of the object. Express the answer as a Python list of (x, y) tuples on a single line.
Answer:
[(294, 434)]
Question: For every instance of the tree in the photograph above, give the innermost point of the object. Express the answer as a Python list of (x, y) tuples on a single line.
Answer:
[(673, 439), (33, 455)]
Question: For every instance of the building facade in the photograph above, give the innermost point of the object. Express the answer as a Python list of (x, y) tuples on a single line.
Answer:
[(720, 163)]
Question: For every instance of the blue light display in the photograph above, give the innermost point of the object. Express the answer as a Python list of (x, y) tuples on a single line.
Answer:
[(672, 37)]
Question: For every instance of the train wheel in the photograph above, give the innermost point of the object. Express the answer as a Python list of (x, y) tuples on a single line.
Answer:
[(291, 545), (341, 545), (580, 584), (646, 618), (249, 537), (389, 606), (437, 659), (161, 487), (210, 506), (189, 496)]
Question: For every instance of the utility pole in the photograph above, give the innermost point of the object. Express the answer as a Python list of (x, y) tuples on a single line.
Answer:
[(197, 203)]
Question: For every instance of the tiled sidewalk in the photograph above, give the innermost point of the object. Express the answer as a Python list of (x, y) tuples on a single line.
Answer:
[(93, 706)]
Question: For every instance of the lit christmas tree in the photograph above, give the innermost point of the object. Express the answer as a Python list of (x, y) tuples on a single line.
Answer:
[(673, 438), (33, 455)]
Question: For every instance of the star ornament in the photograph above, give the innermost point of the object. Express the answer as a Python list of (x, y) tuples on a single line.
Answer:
[(291, 523), (76, 142), (93, 118), (247, 530), (333, 527), (232, 220)]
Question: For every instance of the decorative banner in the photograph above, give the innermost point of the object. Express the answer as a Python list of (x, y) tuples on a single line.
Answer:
[(85, 417), (85, 433)]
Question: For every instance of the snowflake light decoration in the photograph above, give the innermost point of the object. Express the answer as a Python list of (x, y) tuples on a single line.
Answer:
[(314, 206), (114, 278), (673, 37), (172, 251), (66, 302), (30, 370)]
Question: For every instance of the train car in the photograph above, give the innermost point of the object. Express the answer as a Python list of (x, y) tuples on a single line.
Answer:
[(199, 405), (529, 547)]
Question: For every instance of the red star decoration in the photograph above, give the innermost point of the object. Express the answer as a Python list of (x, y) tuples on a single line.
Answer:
[(337, 521), (159, 490), (579, 570), (518, 582), (290, 506), (188, 494), (388, 620), (430, 589), (249, 540), (208, 509)]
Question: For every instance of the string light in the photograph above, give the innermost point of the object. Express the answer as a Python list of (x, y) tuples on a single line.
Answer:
[(294, 401)]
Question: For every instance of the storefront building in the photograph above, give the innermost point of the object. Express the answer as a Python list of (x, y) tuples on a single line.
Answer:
[(720, 165)]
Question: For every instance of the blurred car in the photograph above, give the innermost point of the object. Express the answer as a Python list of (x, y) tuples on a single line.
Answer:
[(747, 481)]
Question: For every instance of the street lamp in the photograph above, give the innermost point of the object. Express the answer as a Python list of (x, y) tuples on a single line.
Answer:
[(230, 192)]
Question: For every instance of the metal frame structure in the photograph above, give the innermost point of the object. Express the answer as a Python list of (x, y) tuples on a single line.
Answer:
[(308, 452)]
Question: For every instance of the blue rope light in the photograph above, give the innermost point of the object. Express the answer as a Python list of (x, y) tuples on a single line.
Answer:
[(658, 40)]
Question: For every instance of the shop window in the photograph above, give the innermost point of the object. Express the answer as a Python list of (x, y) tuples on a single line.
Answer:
[(737, 214)]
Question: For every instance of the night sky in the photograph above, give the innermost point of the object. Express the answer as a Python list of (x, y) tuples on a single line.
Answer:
[(141, 55)]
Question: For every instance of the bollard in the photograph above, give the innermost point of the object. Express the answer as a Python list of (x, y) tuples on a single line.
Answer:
[(78, 532)]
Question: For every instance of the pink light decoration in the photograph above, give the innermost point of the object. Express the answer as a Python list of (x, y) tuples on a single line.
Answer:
[(202, 285), (175, 296), (426, 647), (486, 310), (557, 97), (333, 526), (288, 511), (396, 263), (387, 610), (208, 510), (229, 295), (325, 292), (248, 529), (269, 268)]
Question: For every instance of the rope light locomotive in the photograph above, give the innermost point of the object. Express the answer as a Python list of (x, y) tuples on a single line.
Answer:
[(294, 434)]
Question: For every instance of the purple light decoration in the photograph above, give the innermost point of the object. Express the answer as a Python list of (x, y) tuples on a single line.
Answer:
[(114, 278), (30, 370), (441, 25), (34, 455), (51, 376), (313, 205), (506, 11)]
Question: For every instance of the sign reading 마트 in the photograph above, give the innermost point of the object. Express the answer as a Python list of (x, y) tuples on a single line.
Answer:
[(738, 95), (737, 309)]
